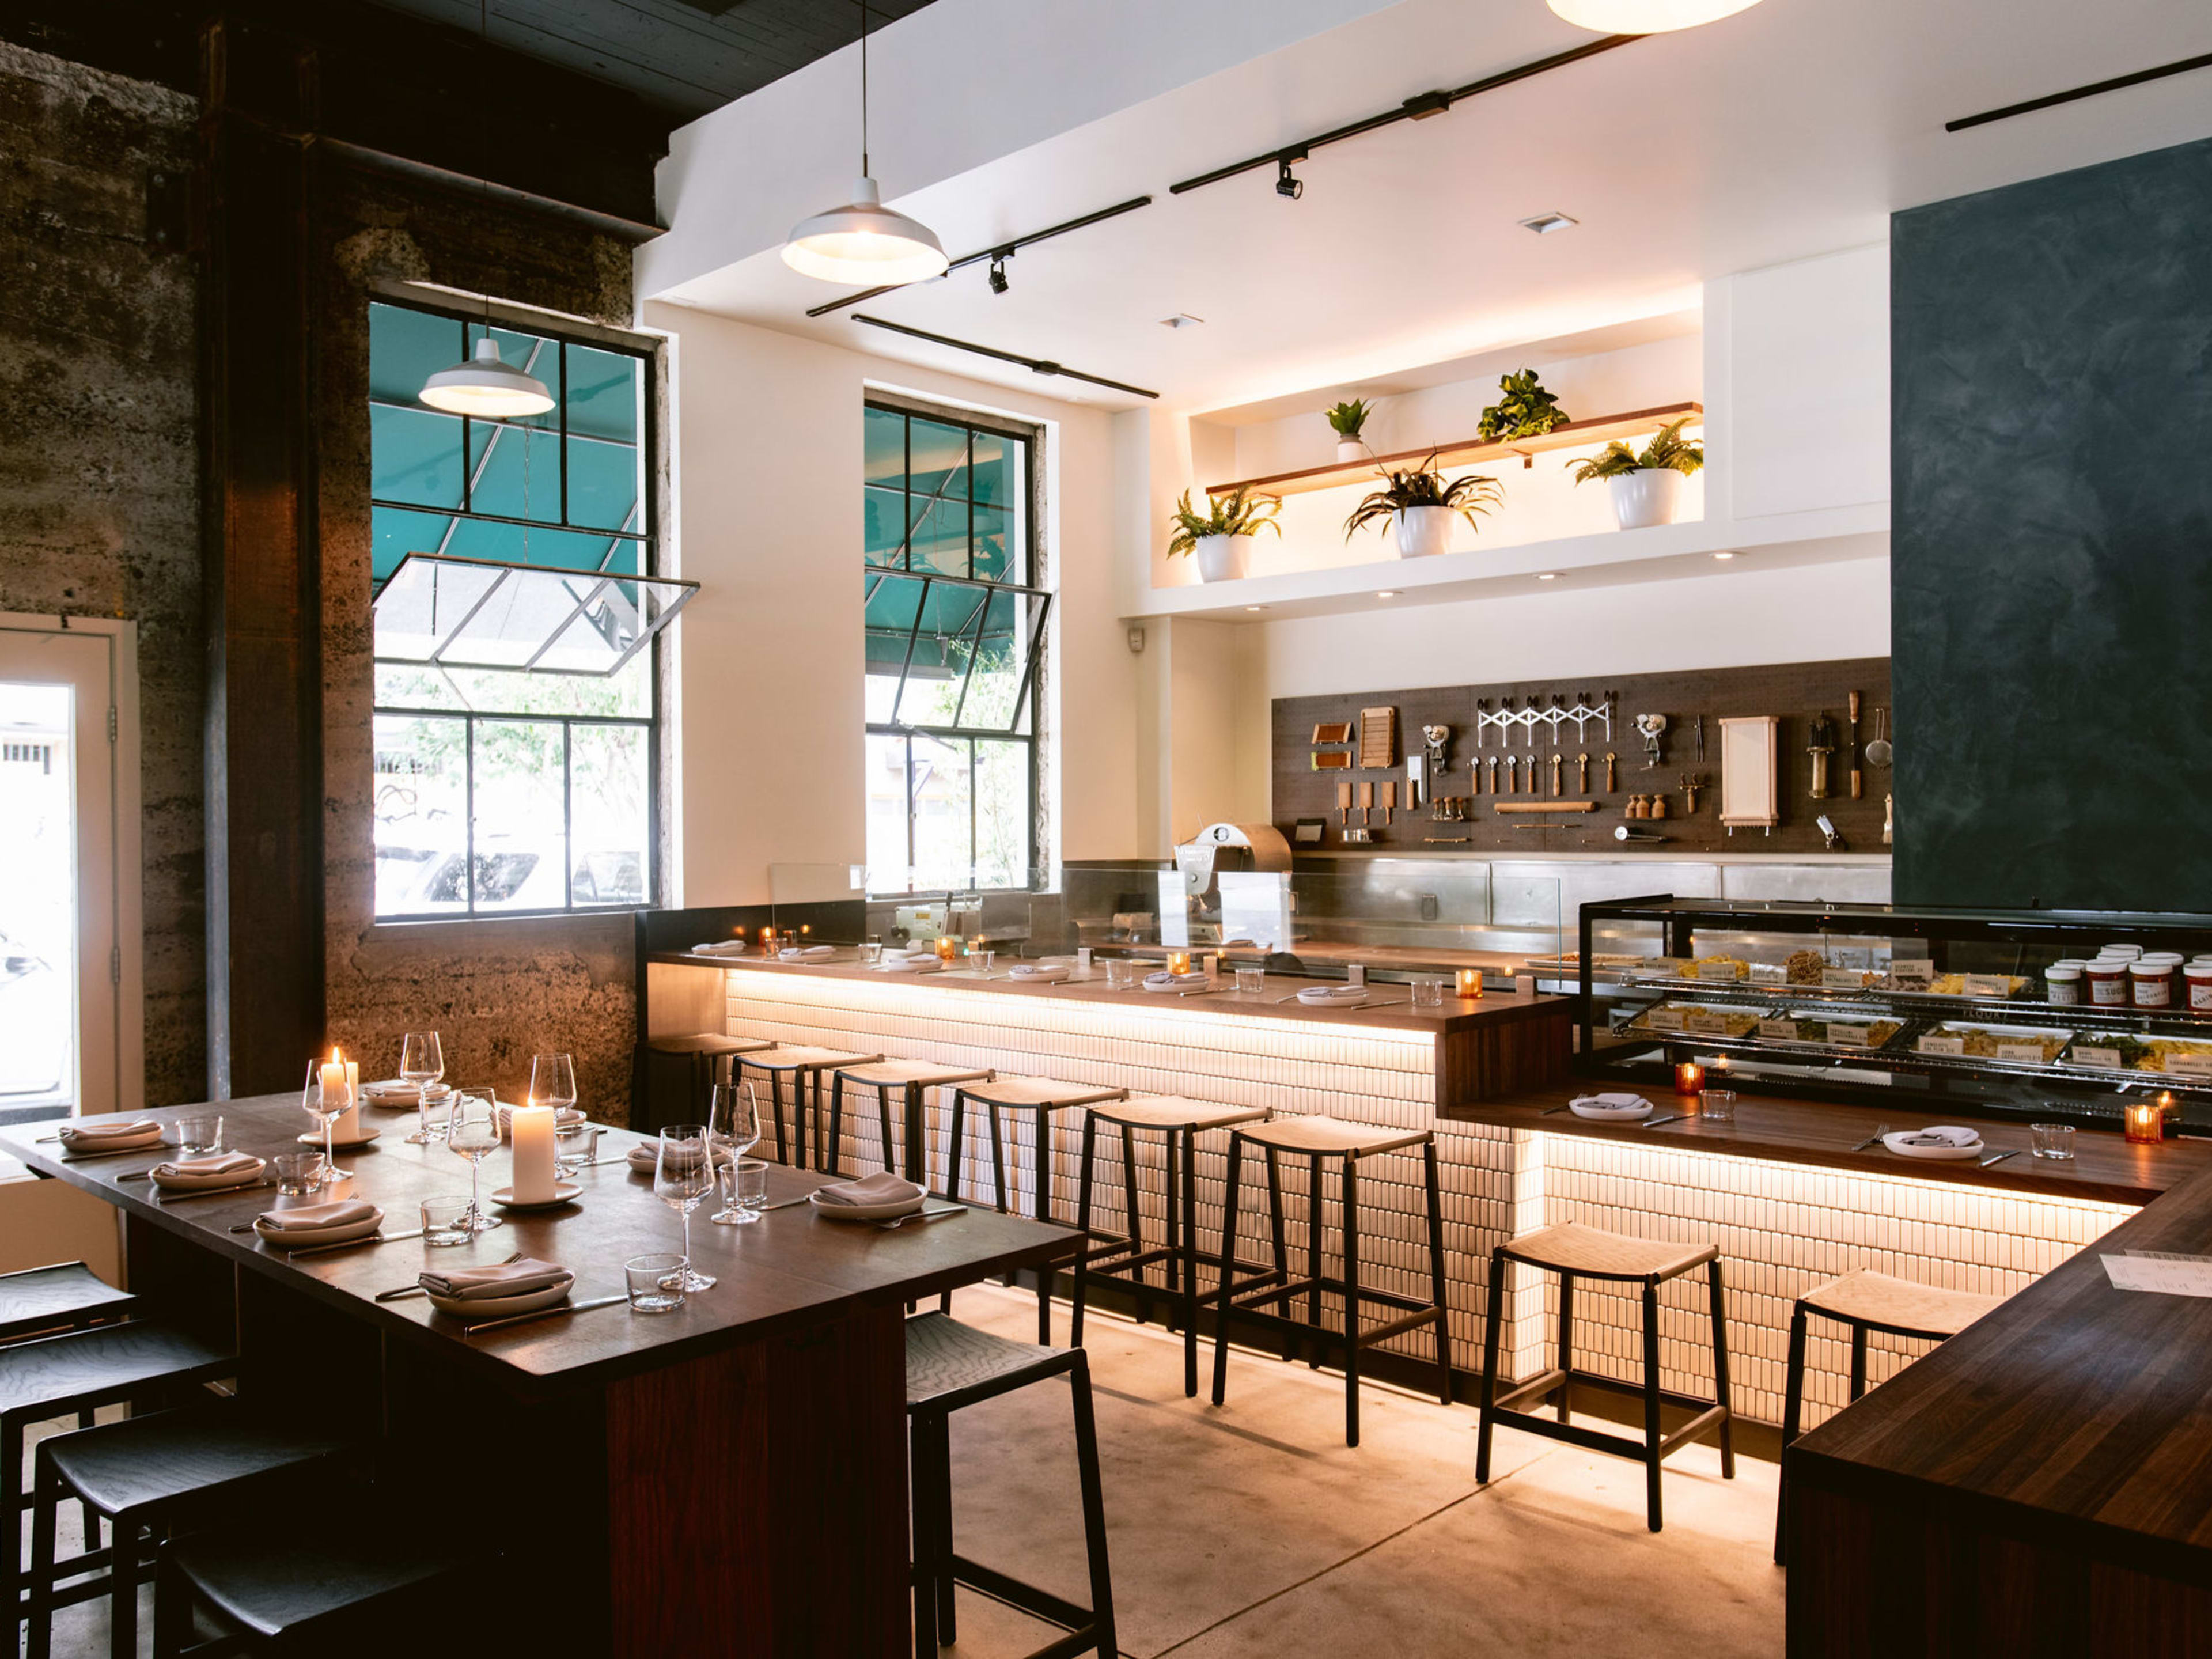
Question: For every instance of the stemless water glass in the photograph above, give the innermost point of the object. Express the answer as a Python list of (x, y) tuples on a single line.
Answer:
[(733, 1122), (422, 1063), (1251, 981), (553, 1082), (655, 1283), (981, 960), (199, 1131), (683, 1176), (472, 1132)]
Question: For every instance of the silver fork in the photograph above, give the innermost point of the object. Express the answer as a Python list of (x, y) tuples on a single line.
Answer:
[(1880, 1129)]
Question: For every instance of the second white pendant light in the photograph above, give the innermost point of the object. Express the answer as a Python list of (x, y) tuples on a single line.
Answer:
[(863, 242), (1646, 16)]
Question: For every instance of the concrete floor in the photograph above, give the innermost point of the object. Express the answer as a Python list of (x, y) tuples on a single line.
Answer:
[(1252, 1530)]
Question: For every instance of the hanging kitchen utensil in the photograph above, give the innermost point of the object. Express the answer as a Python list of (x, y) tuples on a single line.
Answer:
[(1331, 760), (1888, 817), (1612, 770), (1344, 806), (1692, 783), (1333, 732), (1582, 773), (1378, 740), (1701, 739), (1879, 753), (1751, 769), (1558, 788), (1388, 799), (1858, 778), (1366, 801), (1820, 743), (1653, 727)]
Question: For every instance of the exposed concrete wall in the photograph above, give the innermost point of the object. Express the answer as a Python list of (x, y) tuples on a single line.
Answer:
[(99, 461)]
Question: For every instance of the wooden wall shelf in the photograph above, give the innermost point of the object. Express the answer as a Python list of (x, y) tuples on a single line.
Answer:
[(1573, 435)]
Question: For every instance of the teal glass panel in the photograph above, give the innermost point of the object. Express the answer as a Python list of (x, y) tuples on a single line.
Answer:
[(517, 469), (884, 434), (414, 455), (514, 543), (602, 391), (406, 348), (885, 513), (394, 533), (887, 619), (603, 484), (940, 537), (995, 560), (997, 468), (939, 459)]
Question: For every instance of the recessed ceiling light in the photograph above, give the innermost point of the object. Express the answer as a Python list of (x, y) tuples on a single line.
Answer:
[(1180, 320), (1255, 607), (1548, 576), (1388, 593), (1724, 556), (1545, 223)]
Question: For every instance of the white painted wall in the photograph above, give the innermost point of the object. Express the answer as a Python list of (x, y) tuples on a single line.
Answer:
[(768, 456)]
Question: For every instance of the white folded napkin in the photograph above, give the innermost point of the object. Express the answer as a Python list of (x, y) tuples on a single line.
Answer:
[(913, 965), (96, 1134), (1323, 995), (562, 1118), (503, 1278), (882, 1188), (1038, 972), (214, 1164), (1611, 1103), (647, 1158), (725, 947), (807, 952), (1942, 1134), (398, 1092), (1179, 981), (336, 1212)]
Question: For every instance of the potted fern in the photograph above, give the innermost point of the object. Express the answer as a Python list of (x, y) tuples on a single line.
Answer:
[(1222, 535), (1645, 487), (1421, 503), (1345, 420)]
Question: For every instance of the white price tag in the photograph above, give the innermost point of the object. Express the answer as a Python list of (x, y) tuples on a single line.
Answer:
[(1720, 971), (1985, 985), (1779, 1031), (1909, 971), (1842, 979), (1664, 1019), (2097, 1057), (1942, 1045), (2027, 1053), (2190, 1065), (1850, 1036), (1705, 1023)]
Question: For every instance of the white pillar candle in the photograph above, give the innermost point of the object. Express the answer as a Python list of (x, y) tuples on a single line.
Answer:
[(341, 1080), (531, 1132)]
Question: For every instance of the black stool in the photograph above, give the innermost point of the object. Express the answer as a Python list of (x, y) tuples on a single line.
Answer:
[(709, 1053), (1862, 1301), (1041, 1096), (57, 1376), (146, 1474), (66, 1297), (950, 1365), (1574, 1251), (376, 1590), (1315, 1139), (1124, 1257), (912, 1080), (804, 1068)]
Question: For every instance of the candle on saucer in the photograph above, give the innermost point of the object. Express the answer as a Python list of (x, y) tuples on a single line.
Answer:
[(531, 1132), (341, 1080)]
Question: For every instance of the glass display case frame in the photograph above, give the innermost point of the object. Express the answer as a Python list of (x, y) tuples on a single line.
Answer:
[(1995, 958)]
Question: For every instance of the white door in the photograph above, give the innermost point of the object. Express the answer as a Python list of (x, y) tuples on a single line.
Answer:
[(69, 1035)]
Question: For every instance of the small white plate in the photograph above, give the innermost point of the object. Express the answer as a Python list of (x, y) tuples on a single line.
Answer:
[(294, 1238), (314, 1138), (1336, 1000), (1176, 983), (646, 1159), (244, 1175), (494, 1307), (1611, 1107), (1901, 1145), (401, 1098), (866, 1212), (564, 1192)]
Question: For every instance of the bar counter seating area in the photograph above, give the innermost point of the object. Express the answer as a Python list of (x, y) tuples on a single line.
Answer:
[(857, 828)]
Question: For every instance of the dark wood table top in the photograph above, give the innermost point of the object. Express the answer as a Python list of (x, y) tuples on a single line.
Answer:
[(788, 1270), (2105, 1167), (1391, 1007)]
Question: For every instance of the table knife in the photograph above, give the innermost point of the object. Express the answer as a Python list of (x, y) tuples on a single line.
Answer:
[(402, 1291), (1999, 1157), (785, 1203), (1219, 990), (355, 1243), (1671, 1117), (547, 1313), (212, 1192)]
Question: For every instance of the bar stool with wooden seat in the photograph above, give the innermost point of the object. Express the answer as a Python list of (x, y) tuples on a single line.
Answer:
[(1037, 1095), (147, 1475), (912, 1080), (1863, 1301), (709, 1053), (1574, 1251), (1315, 1139), (134, 1363), (67, 1296), (950, 1365), (803, 1067), (1123, 1257)]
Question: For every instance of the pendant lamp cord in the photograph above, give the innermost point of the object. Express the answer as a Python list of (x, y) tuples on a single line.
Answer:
[(864, 89)]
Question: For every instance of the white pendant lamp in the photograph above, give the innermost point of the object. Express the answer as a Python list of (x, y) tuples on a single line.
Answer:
[(487, 387), (864, 242), (1646, 16)]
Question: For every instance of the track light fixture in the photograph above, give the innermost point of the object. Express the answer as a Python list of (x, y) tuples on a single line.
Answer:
[(1287, 182), (999, 270)]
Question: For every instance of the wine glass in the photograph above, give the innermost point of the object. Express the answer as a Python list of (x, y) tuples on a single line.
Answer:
[(553, 1082), (682, 1177), (733, 1122), (326, 1107), (472, 1132), (422, 1063)]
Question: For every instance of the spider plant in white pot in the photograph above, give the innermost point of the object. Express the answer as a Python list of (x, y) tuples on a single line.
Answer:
[(1222, 535), (1420, 505), (1647, 488)]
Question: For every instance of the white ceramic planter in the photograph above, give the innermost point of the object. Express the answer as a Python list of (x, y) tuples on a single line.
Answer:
[(1423, 531), (1349, 450), (1223, 558), (1647, 496)]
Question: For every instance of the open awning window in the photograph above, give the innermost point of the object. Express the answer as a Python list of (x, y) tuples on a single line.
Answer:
[(950, 655), (437, 610)]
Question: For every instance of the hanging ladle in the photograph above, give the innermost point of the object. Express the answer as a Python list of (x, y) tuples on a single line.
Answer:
[(1878, 752)]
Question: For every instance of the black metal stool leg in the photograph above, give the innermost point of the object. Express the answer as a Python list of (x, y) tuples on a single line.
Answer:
[(1313, 1264), (1793, 1413), (123, 1591), (1094, 1511), (1228, 1267), (1563, 1395), (1041, 1159), (1720, 1394), (1171, 1221), (1348, 1190), (1083, 1227), (45, 1516), (837, 1148), (89, 1516), (883, 1126), (940, 1457), (956, 1125), (1652, 1436), (1493, 1323), (1437, 1275), (1142, 1283), (776, 1110), (1189, 1259), (1282, 1246), (1858, 1360)]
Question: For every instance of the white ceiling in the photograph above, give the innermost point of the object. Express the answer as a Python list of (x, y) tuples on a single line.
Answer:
[(1790, 130)]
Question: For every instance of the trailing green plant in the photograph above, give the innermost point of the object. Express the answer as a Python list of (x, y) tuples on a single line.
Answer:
[(1347, 419), (1241, 514), (1668, 452), (1526, 410), (1423, 486)]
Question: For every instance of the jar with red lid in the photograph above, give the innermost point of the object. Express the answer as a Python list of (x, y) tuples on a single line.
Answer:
[(2108, 984)]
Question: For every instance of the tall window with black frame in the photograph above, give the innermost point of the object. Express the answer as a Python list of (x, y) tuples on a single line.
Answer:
[(954, 613)]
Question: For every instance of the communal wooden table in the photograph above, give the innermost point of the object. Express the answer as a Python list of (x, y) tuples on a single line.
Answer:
[(729, 1479)]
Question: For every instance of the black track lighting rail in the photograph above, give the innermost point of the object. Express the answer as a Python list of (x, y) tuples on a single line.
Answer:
[(1036, 365), (2119, 83), (997, 251), (1420, 107)]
